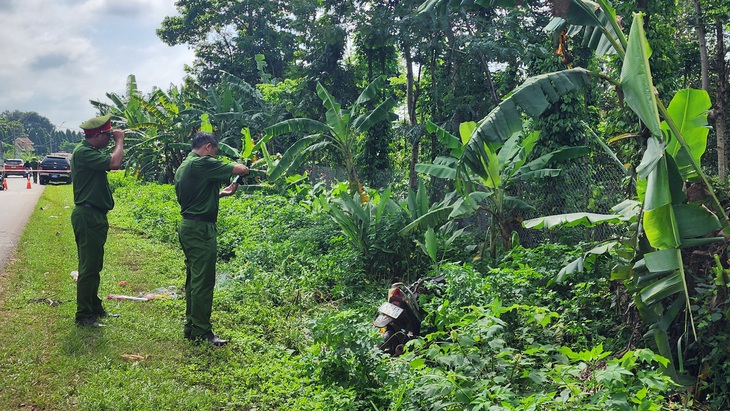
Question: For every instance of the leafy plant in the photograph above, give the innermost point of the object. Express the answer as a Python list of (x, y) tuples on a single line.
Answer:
[(491, 178), (341, 129)]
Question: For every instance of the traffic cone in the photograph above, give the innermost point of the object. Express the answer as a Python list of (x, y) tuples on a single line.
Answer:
[(5, 183), (28, 186)]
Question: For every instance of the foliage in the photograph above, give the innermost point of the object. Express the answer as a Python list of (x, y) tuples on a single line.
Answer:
[(228, 35), (46, 139), (491, 178), (153, 211), (342, 130), (483, 352)]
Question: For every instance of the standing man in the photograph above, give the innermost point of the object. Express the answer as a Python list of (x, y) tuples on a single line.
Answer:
[(197, 186), (34, 167), (93, 199)]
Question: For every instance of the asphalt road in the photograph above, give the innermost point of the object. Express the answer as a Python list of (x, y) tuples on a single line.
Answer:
[(16, 205)]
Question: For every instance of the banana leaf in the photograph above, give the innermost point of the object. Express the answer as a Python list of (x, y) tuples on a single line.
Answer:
[(571, 220), (636, 81), (440, 171), (533, 98), (659, 222), (688, 109), (291, 155)]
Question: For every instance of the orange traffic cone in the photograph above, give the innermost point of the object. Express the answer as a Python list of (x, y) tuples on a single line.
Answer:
[(28, 186), (5, 183)]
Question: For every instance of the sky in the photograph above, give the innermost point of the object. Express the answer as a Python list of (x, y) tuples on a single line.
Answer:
[(57, 55)]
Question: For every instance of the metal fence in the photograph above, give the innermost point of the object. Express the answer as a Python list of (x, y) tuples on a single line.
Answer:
[(592, 184)]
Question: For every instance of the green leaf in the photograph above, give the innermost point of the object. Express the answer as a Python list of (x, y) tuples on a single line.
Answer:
[(653, 153), (449, 140), (430, 219), (205, 125), (659, 220), (663, 261), (659, 290), (636, 81), (695, 221), (291, 155), (688, 109), (467, 205), (438, 171), (297, 124), (537, 94), (431, 244), (367, 120), (515, 203), (465, 130), (660, 226), (248, 143), (571, 220)]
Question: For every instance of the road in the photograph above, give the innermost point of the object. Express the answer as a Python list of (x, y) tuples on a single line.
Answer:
[(16, 205)]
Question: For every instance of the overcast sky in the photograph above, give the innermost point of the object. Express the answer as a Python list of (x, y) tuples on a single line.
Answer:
[(56, 55)]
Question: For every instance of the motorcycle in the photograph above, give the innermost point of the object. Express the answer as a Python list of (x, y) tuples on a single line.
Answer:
[(399, 318)]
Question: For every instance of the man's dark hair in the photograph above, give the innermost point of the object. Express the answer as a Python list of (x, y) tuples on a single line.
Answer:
[(201, 139)]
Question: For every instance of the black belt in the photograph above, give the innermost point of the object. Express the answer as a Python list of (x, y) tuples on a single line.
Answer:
[(93, 207), (199, 218)]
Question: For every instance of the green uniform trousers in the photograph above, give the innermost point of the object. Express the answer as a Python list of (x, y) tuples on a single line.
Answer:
[(199, 243), (90, 229)]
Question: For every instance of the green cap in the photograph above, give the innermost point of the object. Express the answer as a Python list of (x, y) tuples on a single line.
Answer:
[(97, 125)]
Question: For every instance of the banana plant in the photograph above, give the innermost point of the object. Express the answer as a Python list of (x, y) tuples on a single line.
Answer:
[(490, 179), (159, 125), (342, 130), (360, 221)]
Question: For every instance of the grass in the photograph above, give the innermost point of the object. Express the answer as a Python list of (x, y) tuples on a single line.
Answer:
[(49, 363)]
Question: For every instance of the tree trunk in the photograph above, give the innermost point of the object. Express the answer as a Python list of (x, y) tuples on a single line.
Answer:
[(410, 94), (412, 175), (412, 119), (702, 39), (717, 115)]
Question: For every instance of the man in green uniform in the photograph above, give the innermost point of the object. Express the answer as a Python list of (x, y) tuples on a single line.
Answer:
[(197, 186), (34, 166), (93, 199)]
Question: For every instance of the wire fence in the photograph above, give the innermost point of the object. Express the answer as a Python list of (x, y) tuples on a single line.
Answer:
[(593, 184)]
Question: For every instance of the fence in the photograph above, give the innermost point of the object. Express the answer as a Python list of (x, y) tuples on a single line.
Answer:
[(593, 184)]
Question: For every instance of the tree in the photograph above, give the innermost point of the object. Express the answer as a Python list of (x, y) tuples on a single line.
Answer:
[(228, 34), (342, 130)]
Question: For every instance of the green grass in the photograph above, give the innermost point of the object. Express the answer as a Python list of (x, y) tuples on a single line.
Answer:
[(47, 362)]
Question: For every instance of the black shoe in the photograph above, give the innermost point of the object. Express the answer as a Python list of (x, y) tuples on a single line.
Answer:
[(89, 322), (210, 338)]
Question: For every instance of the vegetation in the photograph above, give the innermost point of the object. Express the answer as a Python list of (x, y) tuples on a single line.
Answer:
[(492, 116), (291, 298)]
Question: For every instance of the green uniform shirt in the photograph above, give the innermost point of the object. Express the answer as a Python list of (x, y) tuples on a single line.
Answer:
[(197, 183), (88, 173)]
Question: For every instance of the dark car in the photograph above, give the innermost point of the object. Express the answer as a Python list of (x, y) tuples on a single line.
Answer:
[(14, 166), (54, 168)]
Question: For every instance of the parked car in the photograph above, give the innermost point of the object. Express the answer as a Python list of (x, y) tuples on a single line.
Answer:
[(2, 185), (14, 166), (54, 168)]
